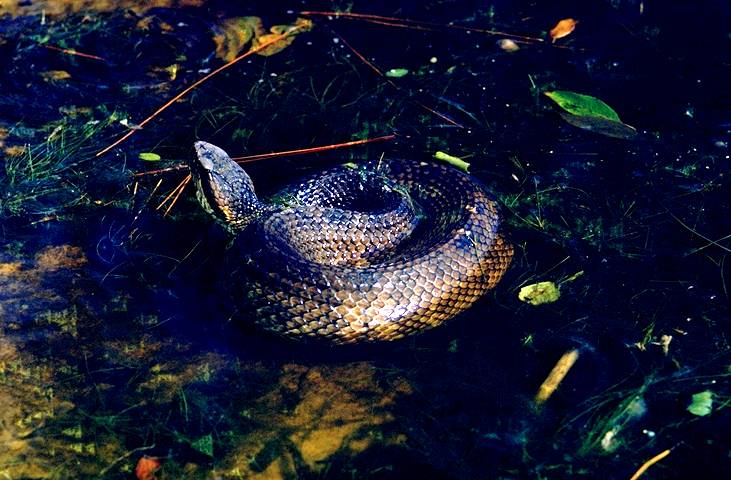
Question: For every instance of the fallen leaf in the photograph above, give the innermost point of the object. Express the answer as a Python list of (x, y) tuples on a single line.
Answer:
[(452, 160), (15, 150), (233, 34), (149, 157), (539, 293), (508, 45), (563, 28), (580, 104), (591, 113), (146, 468), (397, 72), (702, 403), (301, 24), (55, 75)]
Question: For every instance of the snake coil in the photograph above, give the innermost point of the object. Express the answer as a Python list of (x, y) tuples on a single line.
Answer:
[(356, 255)]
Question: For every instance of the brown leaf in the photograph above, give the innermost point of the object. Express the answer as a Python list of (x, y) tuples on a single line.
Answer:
[(563, 28), (233, 34), (301, 24)]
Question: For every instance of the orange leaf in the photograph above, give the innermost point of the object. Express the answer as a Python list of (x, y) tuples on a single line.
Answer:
[(563, 28), (146, 468)]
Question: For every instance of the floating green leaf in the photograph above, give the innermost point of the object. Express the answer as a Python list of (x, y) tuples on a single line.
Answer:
[(150, 157), (397, 72), (539, 293), (702, 403), (452, 160), (590, 113), (582, 105)]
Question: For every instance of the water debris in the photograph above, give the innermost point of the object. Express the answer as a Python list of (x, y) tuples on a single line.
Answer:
[(397, 72), (508, 45), (539, 293), (452, 160), (234, 34), (149, 157), (556, 376), (563, 28), (643, 468), (702, 403), (146, 468), (582, 105), (53, 76)]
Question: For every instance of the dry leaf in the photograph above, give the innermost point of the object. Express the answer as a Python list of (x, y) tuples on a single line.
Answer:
[(508, 45), (55, 75), (301, 24), (563, 28), (146, 468), (234, 33)]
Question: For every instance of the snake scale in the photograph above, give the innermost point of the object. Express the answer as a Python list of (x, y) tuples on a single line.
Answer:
[(355, 254)]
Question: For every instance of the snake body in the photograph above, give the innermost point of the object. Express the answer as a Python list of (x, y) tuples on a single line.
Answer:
[(353, 255)]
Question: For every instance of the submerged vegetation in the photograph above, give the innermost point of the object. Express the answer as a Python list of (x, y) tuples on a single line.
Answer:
[(604, 350)]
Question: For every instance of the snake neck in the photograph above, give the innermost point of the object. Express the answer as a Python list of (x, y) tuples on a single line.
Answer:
[(224, 189)]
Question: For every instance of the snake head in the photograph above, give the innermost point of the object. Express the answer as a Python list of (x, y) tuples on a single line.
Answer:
[(223, 188)]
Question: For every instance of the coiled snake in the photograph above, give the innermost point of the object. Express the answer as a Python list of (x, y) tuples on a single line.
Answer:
[(356, 254)]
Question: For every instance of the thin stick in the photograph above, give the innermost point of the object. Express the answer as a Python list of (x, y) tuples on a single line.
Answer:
[(322, 148), (174, 168), (263, 156), (173, 192), (405, 21), (70, 51), (185, 91), (650, 463), (183, 184)]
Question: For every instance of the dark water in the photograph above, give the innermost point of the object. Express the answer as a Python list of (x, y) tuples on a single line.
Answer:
[(115, 340)]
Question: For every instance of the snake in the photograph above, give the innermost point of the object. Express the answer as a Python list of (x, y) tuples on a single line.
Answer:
[(355, 254)]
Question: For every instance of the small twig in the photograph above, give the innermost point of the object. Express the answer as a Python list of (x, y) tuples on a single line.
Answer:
[(183, 184), (322, 148), (71, 51), (185, 91), (643, 468), (174, 168), (173, 192)]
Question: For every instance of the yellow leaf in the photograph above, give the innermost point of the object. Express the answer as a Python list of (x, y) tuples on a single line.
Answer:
[(55, 75), (539, 293), (563, 28), (508, 45)]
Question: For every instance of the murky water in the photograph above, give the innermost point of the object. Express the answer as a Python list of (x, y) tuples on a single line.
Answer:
[(119, 357)]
